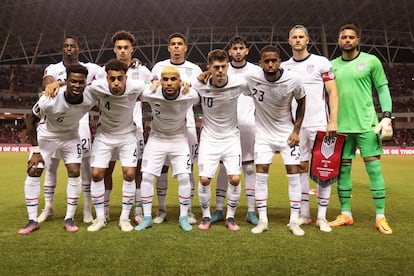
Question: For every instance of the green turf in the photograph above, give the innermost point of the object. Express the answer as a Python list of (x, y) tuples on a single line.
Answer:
[(166, 250)]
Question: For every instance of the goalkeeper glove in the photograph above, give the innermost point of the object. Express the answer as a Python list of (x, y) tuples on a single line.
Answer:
[(384, 128)]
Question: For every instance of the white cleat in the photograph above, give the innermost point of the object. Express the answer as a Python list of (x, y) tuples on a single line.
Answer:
[(97, 225), (294, 227), (46, 214), (191, 218), (323, 225), (87, 215), (260, 227), (125, 225), (160, 218)]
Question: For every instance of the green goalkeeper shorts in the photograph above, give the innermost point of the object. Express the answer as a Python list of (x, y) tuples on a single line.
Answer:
[(368, 143)]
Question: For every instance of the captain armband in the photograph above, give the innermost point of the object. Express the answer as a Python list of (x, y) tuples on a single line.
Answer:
[(328, 76)]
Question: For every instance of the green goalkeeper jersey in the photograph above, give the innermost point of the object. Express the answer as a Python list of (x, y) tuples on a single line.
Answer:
[(356, 80)]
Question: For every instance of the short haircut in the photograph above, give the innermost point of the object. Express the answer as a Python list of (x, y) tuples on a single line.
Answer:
[(238, 39), (179, 35), (74, 38), (123, 35), (115, 65), (350, 27), (269, 48), (299, 27), (170, 70), (76, 68), (217, 55)]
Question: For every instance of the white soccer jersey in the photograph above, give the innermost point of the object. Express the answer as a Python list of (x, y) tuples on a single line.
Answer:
[(62, 117), (188, 73), (274, 122), (220, 108), (116, 111), (311, 70), (169, 116)]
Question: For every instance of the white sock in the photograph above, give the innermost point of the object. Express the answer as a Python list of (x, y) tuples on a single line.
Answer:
[(49, 183), (73, 191), (324, 194), (261, 195), (192, 183), (138, 201), (221, 187), (233, 198), (86, 182), (98, 197), (147, 193), (204, 196), (107, 197), (31, 194), (304, 203), (162, 186), (294, 189), (128, 195), (184, 193), (249, 182)]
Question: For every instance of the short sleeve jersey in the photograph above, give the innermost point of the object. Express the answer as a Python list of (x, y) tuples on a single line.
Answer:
[(188, 73), (219, 106), (116, 111), (311, 71), (168, 116), (274, 122), (62, 117), (355, 80)]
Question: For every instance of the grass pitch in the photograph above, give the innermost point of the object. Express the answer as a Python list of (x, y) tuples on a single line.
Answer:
[(166, 250)]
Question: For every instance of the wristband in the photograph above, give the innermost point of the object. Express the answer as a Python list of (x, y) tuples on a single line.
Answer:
[(35, 149), (386, 114)]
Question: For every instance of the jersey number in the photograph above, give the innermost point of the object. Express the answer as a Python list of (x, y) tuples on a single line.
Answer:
[(260, 94), (208, 102)]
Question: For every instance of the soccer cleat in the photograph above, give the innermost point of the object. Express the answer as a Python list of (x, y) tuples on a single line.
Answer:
[(231, 225), (205, 224), (29, 228), (323, 225), (125, 225), (341, 220), (97, 225), (294, 227), (218, 215), (313, 192), (184, 224), (160, 218), (46, 215), (87, 215), (382, 226), (138, 218), (260, 228), (145, 223), (251, 218), (304, 220), (70, 226), (191, 218)]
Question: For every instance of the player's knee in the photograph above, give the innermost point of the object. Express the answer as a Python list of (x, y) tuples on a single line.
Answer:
[(248, 169), (205, 181), (234, 180)]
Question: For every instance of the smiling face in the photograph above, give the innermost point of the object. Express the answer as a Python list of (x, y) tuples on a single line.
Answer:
[(75, 85)]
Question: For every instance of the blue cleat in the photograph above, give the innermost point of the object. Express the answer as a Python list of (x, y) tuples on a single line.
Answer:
[(218, 215), (251, 218), (184, 224), (145, 223)]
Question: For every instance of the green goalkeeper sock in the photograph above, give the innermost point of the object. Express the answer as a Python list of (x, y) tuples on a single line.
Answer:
[(345, 187), (376, 184)]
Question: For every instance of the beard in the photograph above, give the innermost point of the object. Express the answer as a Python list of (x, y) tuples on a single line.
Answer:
[(348, 49)]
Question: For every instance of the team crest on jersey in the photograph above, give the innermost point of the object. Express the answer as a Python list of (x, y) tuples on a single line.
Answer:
[(328, 147), (310, 68), (183, 106), (283, 88), (361, 67), (135, 75), (188, 71), (132, 97)]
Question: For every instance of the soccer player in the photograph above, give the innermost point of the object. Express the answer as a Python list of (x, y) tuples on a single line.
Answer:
[(273, 90), (220, 137), (57, 73), (357, 74), (59, 134), (123, 48), (177, 47), (168, 140), (116, 132), (245, 119), (316, 74)]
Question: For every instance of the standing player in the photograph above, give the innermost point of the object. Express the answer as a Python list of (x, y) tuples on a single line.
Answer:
[(116, 133), (357, 74), (168, 140), (123, 48), (316, 75), (57, 73), (273, 90), (245, 120), (177, 47), (220, 137), (59, 134)]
